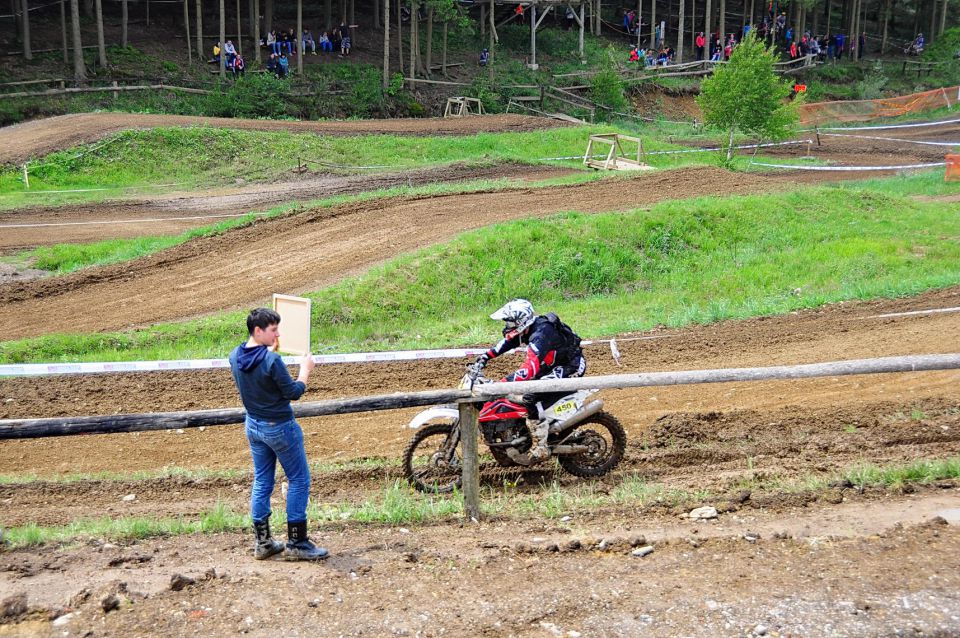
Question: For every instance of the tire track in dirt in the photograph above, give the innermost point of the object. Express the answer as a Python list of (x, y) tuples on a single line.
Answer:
[(166, 211), (316, 248), (29, 140)]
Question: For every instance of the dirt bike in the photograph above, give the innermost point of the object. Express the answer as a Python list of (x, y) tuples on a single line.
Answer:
[(585, 440)]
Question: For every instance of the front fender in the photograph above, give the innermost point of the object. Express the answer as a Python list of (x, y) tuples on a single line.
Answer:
[(434, 414)]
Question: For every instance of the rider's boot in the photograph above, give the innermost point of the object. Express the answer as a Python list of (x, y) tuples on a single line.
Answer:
[(539, 432), (266, 545), (299, 546)]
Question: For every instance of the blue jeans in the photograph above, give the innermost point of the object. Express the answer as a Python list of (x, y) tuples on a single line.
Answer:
[(269, 442)]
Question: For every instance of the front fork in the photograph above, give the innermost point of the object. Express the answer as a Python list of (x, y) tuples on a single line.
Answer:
[(446, 456)]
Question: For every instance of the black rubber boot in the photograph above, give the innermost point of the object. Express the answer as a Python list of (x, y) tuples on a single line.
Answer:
[(266, 545), (299, 546)]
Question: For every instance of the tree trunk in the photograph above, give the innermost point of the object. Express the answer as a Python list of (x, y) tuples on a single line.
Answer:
[(299, 37), (27, 51), (708, 30), (240, 32), (483, 21), (124, 18), (722, 25), (829, 17), (88, 8), (399, 36), (943, 17), (680, 34), (268, 16), (803, 22), (256, 30), (932, 31), (730, 147), (376, 14), (413, 41), (63, 32), (328, 14), (752, 22), (443, 54), (101, 47), (429, 40), (493, 33), (252, 17), (199, 7), (223, 38), (79, 70), (887, 6), (186, 25), (386, 43), (148, 13), (653, 24)]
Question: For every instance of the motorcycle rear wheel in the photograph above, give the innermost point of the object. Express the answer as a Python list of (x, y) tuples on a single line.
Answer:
[(607, 440), (429, 463)]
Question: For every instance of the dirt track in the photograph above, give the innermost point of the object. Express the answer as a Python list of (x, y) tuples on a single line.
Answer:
[(834, 561), (821, 564), (316, 248), (173, 213), (33, 139)]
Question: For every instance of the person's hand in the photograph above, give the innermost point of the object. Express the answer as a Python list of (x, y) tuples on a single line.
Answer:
[(482, 360), (307, 363)]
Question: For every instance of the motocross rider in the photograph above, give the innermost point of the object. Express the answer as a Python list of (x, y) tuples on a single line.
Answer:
[(553, 352)]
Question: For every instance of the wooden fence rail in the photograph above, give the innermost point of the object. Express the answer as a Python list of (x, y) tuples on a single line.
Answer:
[(468, 400)]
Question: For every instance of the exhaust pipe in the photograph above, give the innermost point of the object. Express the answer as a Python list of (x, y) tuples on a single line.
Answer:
[(588, 411)]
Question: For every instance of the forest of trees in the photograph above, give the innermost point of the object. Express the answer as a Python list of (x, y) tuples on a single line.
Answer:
[(887, 23)]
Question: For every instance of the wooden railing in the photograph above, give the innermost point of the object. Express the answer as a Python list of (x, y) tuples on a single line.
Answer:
[(469, 401)]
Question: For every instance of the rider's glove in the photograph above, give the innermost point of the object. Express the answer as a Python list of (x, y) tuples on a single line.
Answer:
[(482, 360)]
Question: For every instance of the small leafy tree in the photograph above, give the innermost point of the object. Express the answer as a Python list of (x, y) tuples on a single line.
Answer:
[(746, 95), (607, 88)]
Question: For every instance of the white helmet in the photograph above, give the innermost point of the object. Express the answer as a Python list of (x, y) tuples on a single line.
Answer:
[(516, 315)]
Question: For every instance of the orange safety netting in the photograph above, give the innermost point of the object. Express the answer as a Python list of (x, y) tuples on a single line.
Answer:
[(866, 110)]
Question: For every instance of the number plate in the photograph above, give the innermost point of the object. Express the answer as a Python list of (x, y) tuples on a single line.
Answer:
[(566, 406)]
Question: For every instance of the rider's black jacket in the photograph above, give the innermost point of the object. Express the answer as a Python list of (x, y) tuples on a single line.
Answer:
[(550, 345)]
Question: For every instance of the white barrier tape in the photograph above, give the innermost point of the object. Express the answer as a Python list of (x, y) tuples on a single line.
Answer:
[(690, 150), (881, 127), (890, 139), (92, 190), (913, 313), (39, 369), (128, 221), (850, 168)]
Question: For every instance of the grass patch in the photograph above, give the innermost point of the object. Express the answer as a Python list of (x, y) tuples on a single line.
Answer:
[(682, 262), (895, 477), (198, 157), (399, 504)]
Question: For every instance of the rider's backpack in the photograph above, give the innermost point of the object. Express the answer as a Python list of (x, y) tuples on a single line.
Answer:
[(571, 342)]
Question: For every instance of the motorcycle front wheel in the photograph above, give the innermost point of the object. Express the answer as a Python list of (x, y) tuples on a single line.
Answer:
[(606, 441), (432, 461)]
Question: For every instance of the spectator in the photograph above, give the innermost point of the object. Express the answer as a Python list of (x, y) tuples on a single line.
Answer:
[(273, 64), (309, 43), (634, 55), (273, 45), (239, 66), (484, 57), (839, 42), (216, 53), (570, 17), (292, 42), (231, 52), (700, 44), (519, 13), (717, 52), (793, 50), (325, 44), (345, 44), (283, 66), (862, 45)]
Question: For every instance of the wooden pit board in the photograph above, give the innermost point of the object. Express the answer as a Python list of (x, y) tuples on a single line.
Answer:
[(294, 323)]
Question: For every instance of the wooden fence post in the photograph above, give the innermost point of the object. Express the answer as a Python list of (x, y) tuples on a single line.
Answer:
[(471, 467)]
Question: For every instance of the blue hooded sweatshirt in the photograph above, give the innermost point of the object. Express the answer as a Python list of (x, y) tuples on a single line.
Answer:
[(265, 385)]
